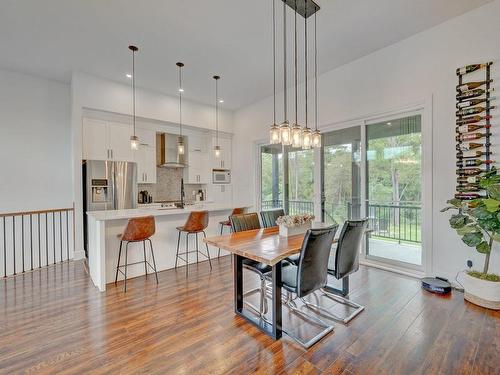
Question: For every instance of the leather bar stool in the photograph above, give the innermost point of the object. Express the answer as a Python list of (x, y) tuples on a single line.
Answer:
[(227, 223), (139, 229), (196, 222)]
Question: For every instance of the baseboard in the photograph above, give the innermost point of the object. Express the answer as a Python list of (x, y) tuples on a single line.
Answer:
[(412, 273), (79, 254)]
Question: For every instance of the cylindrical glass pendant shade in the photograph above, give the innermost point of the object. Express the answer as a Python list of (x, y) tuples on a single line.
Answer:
[(274, 135), (180, 146), (296, 136), (217, 151), (134, 142), (306, 139), (286, 134), (316, 138)]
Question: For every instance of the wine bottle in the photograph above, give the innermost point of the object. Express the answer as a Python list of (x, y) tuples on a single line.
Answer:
[(471, 146), (473, 162), (471, 68), (467, 189), (472, 119), (470, 154), (470, 128), (469, 171), (468, 179), (468, 137), (473, 93), (472, 85), (472, 111), (473, 102)]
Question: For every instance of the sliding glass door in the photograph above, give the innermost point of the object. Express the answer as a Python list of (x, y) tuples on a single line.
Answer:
[(394, 189), (271, 177)]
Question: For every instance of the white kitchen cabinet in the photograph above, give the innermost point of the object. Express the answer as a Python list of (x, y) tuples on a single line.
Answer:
[(95, 140), (145, 158), (104, 140), (197, 143), (198, 169), (119, 141), (222, 194), (146, 137), (224, 160)]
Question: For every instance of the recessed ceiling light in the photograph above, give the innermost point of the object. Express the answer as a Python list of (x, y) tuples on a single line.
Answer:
[(389, 123), (181, 90), (129, 75), (221, 100)]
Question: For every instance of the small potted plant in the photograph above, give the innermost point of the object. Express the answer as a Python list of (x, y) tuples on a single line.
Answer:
[(477, 223), (290, 225)]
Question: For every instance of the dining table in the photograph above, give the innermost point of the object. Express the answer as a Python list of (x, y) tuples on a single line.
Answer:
[(268, 247)]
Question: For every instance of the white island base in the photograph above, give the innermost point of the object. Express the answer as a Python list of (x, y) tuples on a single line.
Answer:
[(105, 227)]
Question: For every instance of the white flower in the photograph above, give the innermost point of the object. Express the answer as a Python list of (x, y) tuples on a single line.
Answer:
[(291, 221)]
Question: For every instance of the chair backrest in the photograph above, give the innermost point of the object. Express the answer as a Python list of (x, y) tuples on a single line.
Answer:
[(240, 223), (313, 262), (139, 229), (238, 211), (197, 221), (348, 246), (269, 217)]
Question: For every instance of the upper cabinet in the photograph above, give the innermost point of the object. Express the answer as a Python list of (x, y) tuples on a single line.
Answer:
[(197, 143), (104, 140), (145, 157), (224, 160)]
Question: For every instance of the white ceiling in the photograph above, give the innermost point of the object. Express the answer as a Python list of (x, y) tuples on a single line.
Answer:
[(51, 38)]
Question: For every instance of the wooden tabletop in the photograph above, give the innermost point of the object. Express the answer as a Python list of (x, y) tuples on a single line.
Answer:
[(262, 245)]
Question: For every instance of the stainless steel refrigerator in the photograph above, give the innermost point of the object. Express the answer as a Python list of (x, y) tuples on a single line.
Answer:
[(108, 185)]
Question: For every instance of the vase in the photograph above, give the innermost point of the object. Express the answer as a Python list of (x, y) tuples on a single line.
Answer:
[(292, 231), (481, 292)]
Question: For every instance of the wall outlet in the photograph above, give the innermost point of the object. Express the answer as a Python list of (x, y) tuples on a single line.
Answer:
[(469, 263)]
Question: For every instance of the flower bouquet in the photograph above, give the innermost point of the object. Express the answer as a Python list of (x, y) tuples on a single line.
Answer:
[(290, 225)]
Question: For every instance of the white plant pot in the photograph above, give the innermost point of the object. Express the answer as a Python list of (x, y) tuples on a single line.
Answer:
[(292, 231), (481, 292)]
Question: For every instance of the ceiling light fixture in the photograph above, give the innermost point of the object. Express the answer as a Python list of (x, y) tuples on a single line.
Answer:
[(285, 130), (217, 146), (306, 132), (274, 132), (221, 101), (316, 135), (128, 75), (296, 128), (134, 140), (180, 140)]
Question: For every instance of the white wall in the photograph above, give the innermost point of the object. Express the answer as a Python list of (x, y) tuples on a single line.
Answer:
[(90, 92), (35, 136), (412, 70)]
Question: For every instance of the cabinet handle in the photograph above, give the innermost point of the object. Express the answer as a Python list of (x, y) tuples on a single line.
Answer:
[(146, 177), (112, 154), (108, 153)]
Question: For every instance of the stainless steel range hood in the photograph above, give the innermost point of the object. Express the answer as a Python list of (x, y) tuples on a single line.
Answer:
[(166, 151)]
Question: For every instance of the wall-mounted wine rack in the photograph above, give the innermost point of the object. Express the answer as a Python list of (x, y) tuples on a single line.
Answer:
[(473, 129)]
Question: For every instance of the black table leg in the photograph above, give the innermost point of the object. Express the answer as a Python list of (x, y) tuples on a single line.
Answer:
[(276, 304), (238, 283)]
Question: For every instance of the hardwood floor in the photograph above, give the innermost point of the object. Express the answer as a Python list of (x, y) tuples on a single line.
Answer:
[(54, 321)]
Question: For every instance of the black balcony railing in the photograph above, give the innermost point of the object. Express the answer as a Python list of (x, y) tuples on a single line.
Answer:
[(399, 222)]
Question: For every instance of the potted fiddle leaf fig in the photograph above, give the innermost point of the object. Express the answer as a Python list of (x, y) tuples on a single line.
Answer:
[(477, 223)]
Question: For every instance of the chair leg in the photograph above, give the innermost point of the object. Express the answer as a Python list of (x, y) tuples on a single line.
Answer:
[(145, 262), (187, 255), (154, 261), (221, 230), (197, 251), (177, 253), (126, 262), (118, 266), (208, 252)]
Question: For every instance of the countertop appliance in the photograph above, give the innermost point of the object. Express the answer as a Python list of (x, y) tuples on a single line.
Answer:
[(108, 185), (166, 151), (221, 176)]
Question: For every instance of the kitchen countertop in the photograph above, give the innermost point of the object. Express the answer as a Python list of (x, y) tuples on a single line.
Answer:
[(156, 211)]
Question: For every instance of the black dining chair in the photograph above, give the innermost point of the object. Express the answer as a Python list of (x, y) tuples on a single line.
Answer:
[(244, 222), (342, 263), (269, 217), (308, 276)]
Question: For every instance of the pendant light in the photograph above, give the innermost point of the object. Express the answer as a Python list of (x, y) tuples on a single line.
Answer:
[(306, 132), (296, 129), (285, 130), (217, 146), (316, 135), (274, 131), (134, 140), (180, 140)]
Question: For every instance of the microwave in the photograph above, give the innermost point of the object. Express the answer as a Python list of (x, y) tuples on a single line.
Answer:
[(221, 176)]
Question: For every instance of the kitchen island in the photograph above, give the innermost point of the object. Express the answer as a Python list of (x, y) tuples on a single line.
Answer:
[(105, 228)]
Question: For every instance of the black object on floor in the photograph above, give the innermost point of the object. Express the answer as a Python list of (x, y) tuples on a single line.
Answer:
[(437, 285)]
